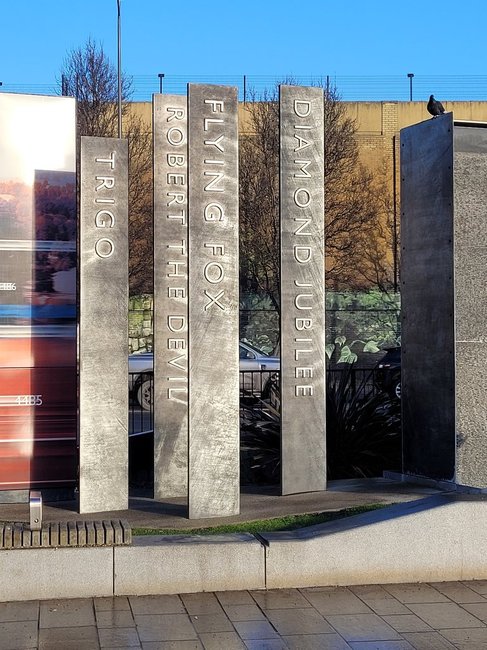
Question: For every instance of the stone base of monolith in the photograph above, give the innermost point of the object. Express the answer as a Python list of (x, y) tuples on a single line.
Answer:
[(444, 305)]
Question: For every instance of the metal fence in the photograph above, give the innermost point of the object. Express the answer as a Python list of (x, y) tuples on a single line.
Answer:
[(259, 391), (401, 87)]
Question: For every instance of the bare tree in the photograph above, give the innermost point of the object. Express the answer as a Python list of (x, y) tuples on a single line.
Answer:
[(355, 212), (88, 75)]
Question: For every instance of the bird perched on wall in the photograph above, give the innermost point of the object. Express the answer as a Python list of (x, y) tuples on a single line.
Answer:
[(434, 107)]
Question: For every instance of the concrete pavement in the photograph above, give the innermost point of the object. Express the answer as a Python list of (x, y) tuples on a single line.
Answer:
[(434, 616), (256, 503)]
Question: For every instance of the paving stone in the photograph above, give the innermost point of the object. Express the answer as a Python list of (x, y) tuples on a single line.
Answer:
[(407, 623), (99, 533), (255, 630), (176, 645), (428, 641), (26, 537), (77, 612), (381, 645), (445, 615), (458, 592), (8, 536), (119, 637), (204, 603), (415, 593), (217, 622), (279, 599), (243, 612), (109, 534), (336, 601), (164, 627), (477, 609), (18, 634), (316, 642), (45, 535), (471, 639), (156, 605), (298, 621), (63, 534), (127, 531), (379, 600), (90, 533), (117, 533), (114, 618), (480, 586), (19, 611), (234, 597), (17, 528), (265, 644), (363, 627), (106, 604), (222, 641), (69, 638), (81, 533), (72, 533), (54, 535)]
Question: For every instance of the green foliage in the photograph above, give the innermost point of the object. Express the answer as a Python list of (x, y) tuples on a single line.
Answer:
[(289, 522), (360, 324), (260, 445), (346, 355), (363, 434)]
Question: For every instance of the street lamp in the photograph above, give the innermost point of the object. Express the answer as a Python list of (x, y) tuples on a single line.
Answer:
[(161, 77), (410, 76), (119, 49)]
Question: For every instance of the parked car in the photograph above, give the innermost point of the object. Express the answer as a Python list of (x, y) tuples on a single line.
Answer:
[(251, 359), (141, 367), (388, 373)]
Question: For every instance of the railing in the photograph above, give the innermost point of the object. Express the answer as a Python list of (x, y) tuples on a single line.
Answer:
[(399, 87), (259, 390)]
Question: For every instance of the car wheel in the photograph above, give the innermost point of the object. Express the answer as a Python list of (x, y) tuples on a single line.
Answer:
[(144, 394), (395, 387), (397, 390)]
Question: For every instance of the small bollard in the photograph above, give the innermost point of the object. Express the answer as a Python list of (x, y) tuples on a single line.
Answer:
[(35, 508)]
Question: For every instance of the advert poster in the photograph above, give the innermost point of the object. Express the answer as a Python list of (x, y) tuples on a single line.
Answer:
[(38, 359)]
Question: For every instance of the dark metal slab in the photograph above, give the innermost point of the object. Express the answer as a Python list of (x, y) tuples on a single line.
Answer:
[(170, 126), (103, 327), (427, 294), (213, 302), (302, 290)]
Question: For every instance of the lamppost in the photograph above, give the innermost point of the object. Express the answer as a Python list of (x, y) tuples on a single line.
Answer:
[(410, 76), (161, 77), (119, 50)]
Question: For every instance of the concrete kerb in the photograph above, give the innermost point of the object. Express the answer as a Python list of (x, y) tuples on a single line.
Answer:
[(439, 538), (432, 539)]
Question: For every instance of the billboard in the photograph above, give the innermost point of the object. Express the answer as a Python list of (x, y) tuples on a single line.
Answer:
[(38, 356)]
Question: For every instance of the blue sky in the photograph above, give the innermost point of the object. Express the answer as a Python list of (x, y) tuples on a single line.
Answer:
[(226, 38)]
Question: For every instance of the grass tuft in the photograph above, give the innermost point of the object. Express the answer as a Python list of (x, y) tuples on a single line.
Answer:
[(288, 522)]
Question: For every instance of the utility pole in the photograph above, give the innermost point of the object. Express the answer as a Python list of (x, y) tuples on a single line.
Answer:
[(119, 50), (410, 76)]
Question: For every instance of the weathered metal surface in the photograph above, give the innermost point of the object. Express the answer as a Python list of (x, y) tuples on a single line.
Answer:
[(103, 409), (213, 302), (470, 251), (427, 295), (171, 296), (302, 290)]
